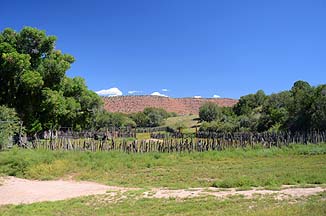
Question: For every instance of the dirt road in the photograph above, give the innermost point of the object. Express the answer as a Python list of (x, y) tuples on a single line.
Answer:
[(17, 191)]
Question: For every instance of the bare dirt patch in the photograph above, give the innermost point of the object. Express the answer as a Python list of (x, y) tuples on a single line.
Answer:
[(21, 191), (223, 193), (17, 191)]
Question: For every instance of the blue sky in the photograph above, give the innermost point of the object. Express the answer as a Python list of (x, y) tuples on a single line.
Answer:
[(189, 48)]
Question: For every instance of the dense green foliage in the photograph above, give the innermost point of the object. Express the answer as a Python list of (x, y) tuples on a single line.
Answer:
[(9, 125), (104, 120), (302, 108), (151, 117), (209, 112), (33, 81)]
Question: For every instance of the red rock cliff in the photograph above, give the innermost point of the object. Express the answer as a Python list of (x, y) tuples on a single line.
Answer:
[(182, 106)]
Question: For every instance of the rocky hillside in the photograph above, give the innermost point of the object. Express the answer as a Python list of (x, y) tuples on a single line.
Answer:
[(182, 106)]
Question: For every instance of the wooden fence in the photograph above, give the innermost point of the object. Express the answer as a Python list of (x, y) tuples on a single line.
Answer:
[(213, 142)]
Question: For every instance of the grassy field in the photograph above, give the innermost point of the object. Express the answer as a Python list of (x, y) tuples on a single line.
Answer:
[(270, 168), (143, 136), (241, 168), (188, 122), (98, 205)]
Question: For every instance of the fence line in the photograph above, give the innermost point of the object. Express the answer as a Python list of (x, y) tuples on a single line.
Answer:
[(213, 142)]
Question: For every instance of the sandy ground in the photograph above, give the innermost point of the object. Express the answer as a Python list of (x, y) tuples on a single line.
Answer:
[(18, 191), (285, 192)]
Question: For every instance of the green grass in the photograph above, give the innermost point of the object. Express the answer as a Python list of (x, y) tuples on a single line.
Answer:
[(96, 205), (242, 168), (188, 121), (143, 136)]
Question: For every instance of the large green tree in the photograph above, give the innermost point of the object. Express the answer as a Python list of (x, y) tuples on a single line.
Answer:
[(299, 106), (210, 111), (33, 81), (275, 112), (318, 108), (150, 117), (248, 103)]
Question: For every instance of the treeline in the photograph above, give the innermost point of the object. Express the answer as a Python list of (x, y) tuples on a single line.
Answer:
[(149, 117), (35, 92), (302, 108)]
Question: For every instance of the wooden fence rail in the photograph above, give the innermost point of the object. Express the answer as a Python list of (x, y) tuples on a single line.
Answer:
[(214, 142)]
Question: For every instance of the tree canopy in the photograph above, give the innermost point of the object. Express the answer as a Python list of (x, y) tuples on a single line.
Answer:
[(33, 80), (209, 112), (302, 108), (151, 117)]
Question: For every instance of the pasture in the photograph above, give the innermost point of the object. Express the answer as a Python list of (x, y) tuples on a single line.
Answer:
[(273, 167), (270, 168), (97, 205), (186, 123)]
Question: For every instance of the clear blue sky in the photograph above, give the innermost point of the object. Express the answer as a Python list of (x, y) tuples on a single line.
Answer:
[(202, 47)]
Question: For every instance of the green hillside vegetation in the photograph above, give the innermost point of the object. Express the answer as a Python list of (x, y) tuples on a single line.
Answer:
[(302, 108), (186, 123)]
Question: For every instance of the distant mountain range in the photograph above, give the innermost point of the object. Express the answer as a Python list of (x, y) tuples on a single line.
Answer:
[(181, 106)]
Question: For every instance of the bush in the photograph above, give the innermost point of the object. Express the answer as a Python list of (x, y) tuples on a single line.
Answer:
[(150, 117), (209, 112)]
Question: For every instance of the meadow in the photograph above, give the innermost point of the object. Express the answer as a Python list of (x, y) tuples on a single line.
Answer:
[(187, 123), (270, 168), (267, 167), (95, 205)]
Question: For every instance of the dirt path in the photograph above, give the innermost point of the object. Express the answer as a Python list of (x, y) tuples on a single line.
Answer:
[(16, 191), (285, 192)]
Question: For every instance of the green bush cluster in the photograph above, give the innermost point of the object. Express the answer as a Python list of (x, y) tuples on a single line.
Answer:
[(151, 117), (302, 108)]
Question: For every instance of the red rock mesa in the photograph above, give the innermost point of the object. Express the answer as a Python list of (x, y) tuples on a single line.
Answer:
[(181, 106)]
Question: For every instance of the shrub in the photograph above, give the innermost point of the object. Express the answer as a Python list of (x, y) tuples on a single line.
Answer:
[(209, 112)]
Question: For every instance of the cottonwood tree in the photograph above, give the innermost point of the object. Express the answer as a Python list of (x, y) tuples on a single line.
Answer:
[(299, 107), (33, 81)]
